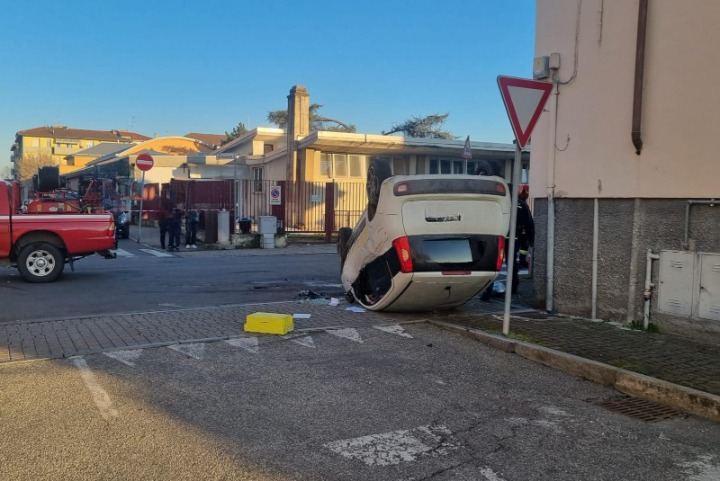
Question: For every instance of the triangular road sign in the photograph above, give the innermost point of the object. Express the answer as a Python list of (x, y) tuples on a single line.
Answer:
[(524, 101)]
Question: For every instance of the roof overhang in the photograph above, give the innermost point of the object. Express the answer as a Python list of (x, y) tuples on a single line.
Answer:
[(379, 144)]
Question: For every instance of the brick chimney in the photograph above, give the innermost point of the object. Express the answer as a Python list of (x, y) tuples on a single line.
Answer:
[(298, 126)]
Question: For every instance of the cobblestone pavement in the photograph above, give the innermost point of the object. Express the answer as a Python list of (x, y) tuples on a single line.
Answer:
[(680, 361)]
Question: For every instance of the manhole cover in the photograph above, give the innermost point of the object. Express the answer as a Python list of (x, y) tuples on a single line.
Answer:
[(640, 409)]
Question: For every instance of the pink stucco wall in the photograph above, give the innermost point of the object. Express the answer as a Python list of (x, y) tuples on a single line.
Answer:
[(592, 147)]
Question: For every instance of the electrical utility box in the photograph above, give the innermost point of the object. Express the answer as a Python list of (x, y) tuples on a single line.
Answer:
[(689, 284)]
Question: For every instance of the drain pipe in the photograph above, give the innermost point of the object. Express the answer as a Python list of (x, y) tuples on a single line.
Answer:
[(688, 204), (550, 188), (648, 286), (636, 133), (596, 235)]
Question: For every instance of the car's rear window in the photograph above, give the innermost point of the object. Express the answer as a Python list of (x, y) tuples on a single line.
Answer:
[(433, 253), (451, 186)]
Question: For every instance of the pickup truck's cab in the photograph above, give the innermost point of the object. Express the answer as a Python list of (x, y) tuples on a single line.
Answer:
[(39, 244)]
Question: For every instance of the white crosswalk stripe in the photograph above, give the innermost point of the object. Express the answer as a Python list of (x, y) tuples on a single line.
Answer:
[(123, 253), (157, 253)]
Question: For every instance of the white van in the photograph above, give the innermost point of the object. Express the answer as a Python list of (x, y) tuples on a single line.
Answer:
[(425, 241)]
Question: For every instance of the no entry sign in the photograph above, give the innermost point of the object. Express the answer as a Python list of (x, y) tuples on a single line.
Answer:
[(144, 162)]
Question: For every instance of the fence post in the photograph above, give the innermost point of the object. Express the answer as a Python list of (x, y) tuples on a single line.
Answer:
[(329, 210)]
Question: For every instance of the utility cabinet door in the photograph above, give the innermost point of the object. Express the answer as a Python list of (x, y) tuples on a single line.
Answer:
[(677, 276), (709, 304)]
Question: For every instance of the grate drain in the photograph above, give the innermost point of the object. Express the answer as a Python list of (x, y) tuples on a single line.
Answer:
[(640, 409)]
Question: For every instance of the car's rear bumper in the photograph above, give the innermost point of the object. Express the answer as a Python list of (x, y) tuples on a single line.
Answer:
[(423, 291)]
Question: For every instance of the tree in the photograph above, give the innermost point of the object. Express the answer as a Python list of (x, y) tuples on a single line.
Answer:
[(29, 164), (317, 121), (239, 130), (423, 127), (6, 172)]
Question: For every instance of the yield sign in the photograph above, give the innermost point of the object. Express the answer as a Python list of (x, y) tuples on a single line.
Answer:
[(524, 101)]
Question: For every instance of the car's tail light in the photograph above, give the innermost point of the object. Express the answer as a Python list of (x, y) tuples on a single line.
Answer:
[(111, 229), (402, 247), (500, 188), (501, 253)]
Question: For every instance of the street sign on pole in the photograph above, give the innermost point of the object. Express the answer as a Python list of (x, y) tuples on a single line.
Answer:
[(467, 150), (143, 162), (524, 101)]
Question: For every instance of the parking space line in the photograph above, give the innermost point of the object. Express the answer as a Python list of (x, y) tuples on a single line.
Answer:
[(99, 395)]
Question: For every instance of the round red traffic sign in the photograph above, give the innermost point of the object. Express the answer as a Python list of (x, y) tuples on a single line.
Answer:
[(144, 162)]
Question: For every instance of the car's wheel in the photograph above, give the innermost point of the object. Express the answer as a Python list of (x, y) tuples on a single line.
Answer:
[(483, 167), (378, 171), (41, 262), (350, 297), (343, 237)]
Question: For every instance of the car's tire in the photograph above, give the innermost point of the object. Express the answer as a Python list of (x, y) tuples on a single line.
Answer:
[(41, 262), (350, 297), (483, 167), (378, 172), (343, 237)]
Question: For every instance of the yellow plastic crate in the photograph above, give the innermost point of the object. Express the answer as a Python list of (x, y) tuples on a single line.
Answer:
[(269, 323)]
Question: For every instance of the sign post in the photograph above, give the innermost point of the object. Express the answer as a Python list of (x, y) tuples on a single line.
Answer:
[(524, 101), (143, 162)]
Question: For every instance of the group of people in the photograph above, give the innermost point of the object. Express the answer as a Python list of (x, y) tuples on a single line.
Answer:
[(171, 229)]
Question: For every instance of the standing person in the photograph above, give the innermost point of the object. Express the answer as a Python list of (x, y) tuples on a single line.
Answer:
[(191, 225), (528, 237), (175, 227), (524, 236)]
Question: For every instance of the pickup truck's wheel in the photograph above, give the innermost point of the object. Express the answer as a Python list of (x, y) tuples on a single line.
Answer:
[(41, 262), (378, 171)]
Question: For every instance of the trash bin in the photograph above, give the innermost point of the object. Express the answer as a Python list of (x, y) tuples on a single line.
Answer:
[(245, 224)]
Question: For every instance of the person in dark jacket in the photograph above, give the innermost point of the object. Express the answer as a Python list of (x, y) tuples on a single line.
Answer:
[(191, 226), (524, 237), (175, 226)]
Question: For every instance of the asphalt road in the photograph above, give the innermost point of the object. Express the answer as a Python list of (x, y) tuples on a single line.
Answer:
[(364, 404), (144, 279)]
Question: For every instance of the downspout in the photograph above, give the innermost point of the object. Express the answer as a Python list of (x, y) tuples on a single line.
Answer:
[(648, 286), (550, 186), (596, 236), (639, 75)]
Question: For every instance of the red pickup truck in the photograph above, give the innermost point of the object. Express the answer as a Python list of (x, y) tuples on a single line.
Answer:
[(39, 244)]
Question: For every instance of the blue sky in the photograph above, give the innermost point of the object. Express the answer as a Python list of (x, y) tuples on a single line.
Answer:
[(172, 67)]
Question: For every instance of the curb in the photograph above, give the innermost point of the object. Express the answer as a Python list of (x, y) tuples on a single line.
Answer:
[(682, 398)]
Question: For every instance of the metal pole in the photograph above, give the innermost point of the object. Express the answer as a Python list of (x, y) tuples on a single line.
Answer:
[(142, 196), (510, 252), (235, 193)]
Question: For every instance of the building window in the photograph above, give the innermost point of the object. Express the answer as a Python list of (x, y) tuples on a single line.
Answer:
[(70, 161), (451, 166), (257, 179), (342, 165), (267, 148)]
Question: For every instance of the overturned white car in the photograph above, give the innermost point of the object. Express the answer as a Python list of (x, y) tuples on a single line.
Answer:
[(425, 241)]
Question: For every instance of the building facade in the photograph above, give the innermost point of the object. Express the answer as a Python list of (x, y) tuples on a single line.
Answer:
[(624, 176), (58, 144)]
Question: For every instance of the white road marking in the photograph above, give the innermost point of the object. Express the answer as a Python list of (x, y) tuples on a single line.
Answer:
[(705, 468), (395, 447), (306, 341), (196, 350), (99, 396), (348, 333), (123, 253), (490, 475), (301, 316), (126, 356), (394, 329), (250, 344), (157, 253)]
